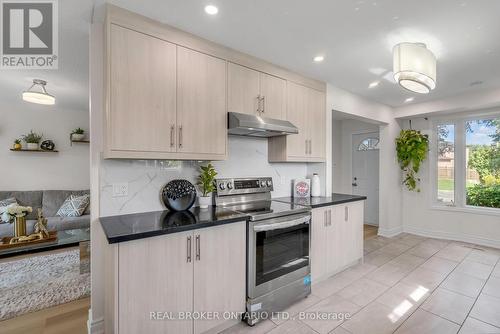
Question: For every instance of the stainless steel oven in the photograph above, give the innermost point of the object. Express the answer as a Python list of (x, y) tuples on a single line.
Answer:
[(278, 237)]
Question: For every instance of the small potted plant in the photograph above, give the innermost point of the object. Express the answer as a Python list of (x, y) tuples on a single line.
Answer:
[(77, 134), (16, 213), (32, 140), (206, 184), (17, 144)]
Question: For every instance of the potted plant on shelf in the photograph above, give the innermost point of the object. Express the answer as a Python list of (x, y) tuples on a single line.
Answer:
[(16, 213), (17, 144), (77, 134), (32, 140), (206, 184)]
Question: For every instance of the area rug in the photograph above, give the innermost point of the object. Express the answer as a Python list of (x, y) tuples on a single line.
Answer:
[(42, 281)]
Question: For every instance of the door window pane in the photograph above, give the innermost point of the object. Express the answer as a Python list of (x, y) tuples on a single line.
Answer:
[(483, 162), (446, 164)]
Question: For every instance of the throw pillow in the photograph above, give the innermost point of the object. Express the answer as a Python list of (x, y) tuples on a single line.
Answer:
[(4, 204), (74, 206)]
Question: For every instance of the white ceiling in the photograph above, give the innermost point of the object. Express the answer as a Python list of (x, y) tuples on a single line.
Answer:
[(356, 38)]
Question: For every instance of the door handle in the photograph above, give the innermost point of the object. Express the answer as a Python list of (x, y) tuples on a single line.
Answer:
[(172, 138), (330, 217), (188, 249), (346, 214), (326, 219), (180, 136), (198, 247)]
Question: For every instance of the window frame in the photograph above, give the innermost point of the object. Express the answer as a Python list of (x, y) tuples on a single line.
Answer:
[(460, 168)]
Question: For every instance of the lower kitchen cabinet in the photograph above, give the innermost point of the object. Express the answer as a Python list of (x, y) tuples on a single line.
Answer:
[(336, 238), (196, 271)]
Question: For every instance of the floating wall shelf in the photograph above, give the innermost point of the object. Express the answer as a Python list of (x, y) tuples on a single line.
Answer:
[(38, 151), (80, 141)]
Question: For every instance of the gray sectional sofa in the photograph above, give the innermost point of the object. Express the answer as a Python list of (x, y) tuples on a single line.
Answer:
[(50, 201)]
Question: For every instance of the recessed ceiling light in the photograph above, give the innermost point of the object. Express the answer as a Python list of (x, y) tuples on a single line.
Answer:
[(373, 84), (319, 59), (211, 9), (410, 99)]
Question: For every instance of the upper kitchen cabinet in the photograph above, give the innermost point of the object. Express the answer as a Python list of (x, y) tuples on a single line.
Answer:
[(306, 110), (142, 99), (254, 92), (201, 105), (164, 101)]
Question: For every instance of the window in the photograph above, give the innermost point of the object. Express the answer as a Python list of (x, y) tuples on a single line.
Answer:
[(368, 144), (467, 161)]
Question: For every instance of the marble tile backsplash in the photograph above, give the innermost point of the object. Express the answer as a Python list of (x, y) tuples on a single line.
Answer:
[(145, 178)]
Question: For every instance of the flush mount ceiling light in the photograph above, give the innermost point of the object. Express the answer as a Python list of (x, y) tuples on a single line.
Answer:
[(211, 9), (414, 67), (319, 59), (38, 94)]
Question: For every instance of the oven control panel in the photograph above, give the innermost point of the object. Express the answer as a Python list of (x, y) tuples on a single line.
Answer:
[(236, 186)]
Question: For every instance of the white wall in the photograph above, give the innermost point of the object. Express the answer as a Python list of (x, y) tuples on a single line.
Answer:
[(68, 169)]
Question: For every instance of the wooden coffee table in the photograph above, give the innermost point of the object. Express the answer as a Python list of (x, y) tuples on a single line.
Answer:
[(67, 238)]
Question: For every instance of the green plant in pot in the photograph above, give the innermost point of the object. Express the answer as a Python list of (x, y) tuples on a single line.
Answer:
[(17, 144), (32, 140), (411, 147), (77, 134), (206, 183)]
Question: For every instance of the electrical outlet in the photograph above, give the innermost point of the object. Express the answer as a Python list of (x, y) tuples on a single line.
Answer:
[(120, 189)]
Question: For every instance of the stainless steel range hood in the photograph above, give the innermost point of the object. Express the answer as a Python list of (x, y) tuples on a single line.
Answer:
[(256, 126)]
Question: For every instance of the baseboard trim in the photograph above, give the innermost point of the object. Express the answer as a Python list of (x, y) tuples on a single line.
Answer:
[(390, 232), (453, 236), (95, 326)]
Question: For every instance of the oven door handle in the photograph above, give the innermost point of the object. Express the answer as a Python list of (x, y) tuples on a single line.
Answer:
[(281, 225)]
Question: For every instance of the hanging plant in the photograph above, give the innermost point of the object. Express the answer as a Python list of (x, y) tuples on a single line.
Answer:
[(411, 147)]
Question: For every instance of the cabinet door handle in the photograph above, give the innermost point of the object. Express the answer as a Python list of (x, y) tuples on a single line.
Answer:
[(263, 104), (330, 217), (198, 247), (310, 146), (306, 146), (172, 138), (326, 220), (180, 136), (258, 103), (346, 218), (189, 249)]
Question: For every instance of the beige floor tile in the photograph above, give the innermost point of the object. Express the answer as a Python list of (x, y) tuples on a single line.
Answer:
[(292, 327), (403, 296), (333, 307), (454, 252), (395, 248), (390, 273), (408, 260), (427, 278), (484, 257), (376, 319), (424, 250), (440, 265), (464, 284), (424, 322), (449, 305), (496, 271), (411, 240), (340, 330), (378, 258), (475, 269), (291, 311), (363, 291), (373, 244), (242, 328), (358, 271), (436, 243), (473, 326), (492, 287), (330, 286), (487, 309)]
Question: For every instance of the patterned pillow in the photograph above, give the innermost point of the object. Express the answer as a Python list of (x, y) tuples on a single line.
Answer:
[(4, 204), (74, 206)]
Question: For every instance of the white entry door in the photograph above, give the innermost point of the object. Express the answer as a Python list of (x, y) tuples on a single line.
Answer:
[(365, 176)]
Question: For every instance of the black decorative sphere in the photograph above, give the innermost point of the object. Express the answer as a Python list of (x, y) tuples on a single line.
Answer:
[(47, 145), (178, 195)]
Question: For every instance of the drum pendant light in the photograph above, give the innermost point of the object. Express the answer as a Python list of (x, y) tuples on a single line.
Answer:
[(414, 67)]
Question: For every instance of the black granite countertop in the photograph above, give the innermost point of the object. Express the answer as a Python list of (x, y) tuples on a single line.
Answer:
[(316, 202), (144, 225)]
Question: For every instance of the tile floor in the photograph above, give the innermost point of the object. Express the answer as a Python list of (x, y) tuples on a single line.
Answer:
[(407, 284)]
